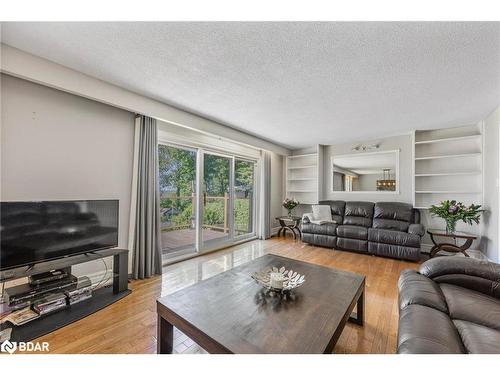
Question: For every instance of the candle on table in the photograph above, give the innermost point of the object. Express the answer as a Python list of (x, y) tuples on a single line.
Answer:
[(277, 280)]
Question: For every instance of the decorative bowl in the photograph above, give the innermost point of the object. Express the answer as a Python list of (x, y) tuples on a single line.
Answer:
[(291, 279)]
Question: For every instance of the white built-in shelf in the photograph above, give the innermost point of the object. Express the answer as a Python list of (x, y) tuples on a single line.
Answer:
[(446, 192), (468, 173), (448, 164), (448, 156), (303, 166), (449, 139), (302, 180)]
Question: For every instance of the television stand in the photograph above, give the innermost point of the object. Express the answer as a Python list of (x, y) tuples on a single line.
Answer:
[(101, 298)]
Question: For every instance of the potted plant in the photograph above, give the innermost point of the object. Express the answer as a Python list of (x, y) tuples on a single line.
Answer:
[(453, 211), (290, 204)]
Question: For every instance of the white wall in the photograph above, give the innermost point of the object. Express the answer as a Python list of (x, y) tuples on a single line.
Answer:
[(403, 143), (61, 146), (490, 243)]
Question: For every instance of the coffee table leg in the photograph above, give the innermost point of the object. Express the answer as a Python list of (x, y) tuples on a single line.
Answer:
[(360, 311), (165, 337)]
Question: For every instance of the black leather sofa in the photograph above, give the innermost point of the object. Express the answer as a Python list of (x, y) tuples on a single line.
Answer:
[(388, 229), (450, 306)]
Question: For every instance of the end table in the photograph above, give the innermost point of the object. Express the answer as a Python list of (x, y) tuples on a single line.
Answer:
[(290, 223), (450, 247)]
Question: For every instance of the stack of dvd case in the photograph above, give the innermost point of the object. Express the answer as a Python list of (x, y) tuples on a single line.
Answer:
[(50, 303), (81, 292)]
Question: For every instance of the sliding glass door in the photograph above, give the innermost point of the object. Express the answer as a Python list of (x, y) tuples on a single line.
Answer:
[(177, 180), (219, 212), (244, 198), (217, 199)]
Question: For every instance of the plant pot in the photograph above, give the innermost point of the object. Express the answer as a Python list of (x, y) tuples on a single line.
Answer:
[(451, 226)]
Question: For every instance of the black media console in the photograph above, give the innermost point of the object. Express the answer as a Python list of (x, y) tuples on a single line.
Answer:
[(101, 297)]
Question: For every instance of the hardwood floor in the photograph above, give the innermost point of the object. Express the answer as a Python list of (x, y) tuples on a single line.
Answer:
[(129, 326)]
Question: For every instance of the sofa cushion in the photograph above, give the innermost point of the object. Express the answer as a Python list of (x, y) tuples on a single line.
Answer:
[(424, 330), (337, 208), (476, 283), (460, 265), (394, 251), (415, 288), (358, 213), (352, 244), (401, 226), (393, 211), (417, 229), (320, 239), (392, 215), (328, 229), (464, 272), (352, 231), (463, 305), (393, 237), (478, 339)]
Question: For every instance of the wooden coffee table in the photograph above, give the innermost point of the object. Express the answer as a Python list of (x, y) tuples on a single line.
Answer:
[(229, 313)]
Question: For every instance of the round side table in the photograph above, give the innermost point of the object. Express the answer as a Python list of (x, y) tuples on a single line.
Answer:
[(450, 247), (290, 223)]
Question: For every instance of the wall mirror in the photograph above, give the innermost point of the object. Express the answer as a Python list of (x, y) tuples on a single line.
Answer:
[(366, 172)]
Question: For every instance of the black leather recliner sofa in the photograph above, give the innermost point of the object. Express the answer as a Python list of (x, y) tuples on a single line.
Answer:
[(388, 229), (450, 306)]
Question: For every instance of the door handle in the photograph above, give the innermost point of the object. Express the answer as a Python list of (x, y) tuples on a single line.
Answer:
[(204, 198)]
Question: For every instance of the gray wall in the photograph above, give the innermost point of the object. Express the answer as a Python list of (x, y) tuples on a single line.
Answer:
[(368, 182), (60, 146), (490, 242)]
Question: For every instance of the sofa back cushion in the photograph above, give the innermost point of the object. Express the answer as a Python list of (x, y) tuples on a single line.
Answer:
[(358, 213), (393, 215), (337, 208)]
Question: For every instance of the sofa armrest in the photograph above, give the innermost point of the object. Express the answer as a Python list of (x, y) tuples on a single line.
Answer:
[(306, 218), (479, 275), (416, 229), (416, 289)]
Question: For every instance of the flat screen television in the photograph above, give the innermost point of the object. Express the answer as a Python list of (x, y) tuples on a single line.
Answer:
[(34, 232)]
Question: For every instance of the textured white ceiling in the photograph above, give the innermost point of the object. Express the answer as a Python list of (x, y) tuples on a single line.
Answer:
[(294, 83)]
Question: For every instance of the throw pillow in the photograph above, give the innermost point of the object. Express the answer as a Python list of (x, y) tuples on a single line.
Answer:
[(322, 212)]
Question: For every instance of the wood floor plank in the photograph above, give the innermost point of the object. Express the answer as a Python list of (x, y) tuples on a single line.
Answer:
[(129, 325)]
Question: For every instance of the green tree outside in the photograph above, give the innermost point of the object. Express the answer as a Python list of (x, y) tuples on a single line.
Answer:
[(177, 177)]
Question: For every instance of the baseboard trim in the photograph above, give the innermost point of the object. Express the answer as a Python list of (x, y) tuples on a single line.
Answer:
[(274, 231), (474, 253)]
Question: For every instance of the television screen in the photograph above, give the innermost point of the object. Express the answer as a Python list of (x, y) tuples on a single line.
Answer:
[(34, 232)]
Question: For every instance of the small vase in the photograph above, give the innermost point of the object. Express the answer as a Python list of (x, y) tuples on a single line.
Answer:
[(451, 226), (290, 214)]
